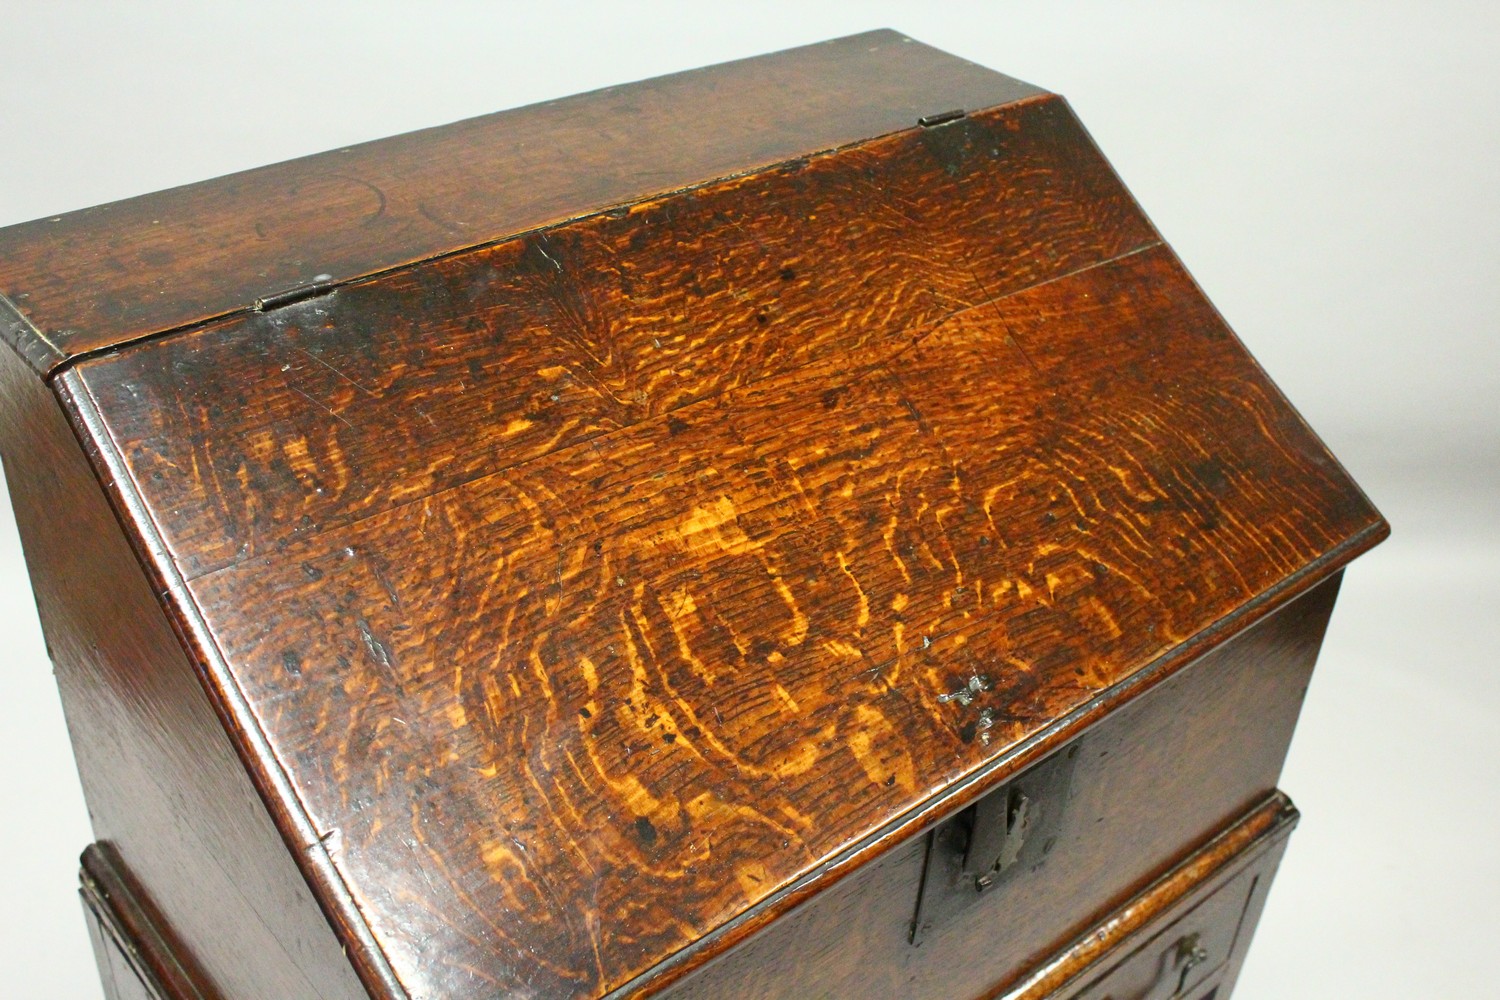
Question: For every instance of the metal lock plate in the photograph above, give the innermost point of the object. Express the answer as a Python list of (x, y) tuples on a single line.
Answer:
[(1010, 830)]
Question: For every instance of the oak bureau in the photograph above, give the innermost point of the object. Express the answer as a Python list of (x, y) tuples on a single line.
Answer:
[(785, 530)]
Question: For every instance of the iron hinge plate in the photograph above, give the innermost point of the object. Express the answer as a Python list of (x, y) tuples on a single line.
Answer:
[(1009, 831)]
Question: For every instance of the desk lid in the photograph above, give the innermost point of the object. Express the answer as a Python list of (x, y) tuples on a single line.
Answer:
[(597, 590)]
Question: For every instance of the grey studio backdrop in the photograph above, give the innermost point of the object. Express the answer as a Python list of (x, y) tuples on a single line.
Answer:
[(1328, 173)]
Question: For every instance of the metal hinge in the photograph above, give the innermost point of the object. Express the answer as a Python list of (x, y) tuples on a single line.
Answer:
[(297, 293), (941, 118)]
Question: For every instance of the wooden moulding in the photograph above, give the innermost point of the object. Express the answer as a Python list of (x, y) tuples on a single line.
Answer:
[(572, 547), (1265, 827), (129, 941)]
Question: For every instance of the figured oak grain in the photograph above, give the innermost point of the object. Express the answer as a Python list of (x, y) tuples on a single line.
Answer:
[(1151, 782), (709, 649), (166, 788), (111, 274), (580, 598), (389, 390)]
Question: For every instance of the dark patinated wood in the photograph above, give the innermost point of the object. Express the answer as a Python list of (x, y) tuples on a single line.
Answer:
[(760, 284), (577, 601), (119, 979), (602, 640), (1212, 901), (136, 954), (165, 786), (1151, 783), (111, 274)]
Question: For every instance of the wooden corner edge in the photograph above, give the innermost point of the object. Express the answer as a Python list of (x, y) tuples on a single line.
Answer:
[(24, 337)]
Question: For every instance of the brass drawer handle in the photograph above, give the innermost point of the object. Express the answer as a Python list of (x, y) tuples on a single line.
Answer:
[(1186, 955), (1190, 955)]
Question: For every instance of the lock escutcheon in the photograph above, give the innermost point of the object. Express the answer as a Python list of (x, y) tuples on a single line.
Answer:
[(1008, 831)]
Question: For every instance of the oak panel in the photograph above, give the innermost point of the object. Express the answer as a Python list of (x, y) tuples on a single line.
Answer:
[(1152, 783), (111, 274), (389, 390), (166, 789), (709, 651)]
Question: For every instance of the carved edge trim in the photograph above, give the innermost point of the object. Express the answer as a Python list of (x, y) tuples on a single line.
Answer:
[(128, 923), (305, 843), (1233, 849)]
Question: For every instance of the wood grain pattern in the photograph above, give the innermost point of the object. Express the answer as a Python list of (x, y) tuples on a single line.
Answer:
[(135, 954), (353, 403), (561, 599), (165, 786), (1248, 851), (714, 650), (119, 980), (111, 274), (1153, 781)]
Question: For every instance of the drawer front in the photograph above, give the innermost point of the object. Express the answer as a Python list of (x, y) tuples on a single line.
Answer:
[(1145, 788), (1184, 959), (1182, 937)]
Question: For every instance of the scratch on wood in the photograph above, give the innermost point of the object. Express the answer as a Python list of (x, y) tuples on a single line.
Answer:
[(322, 406)]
